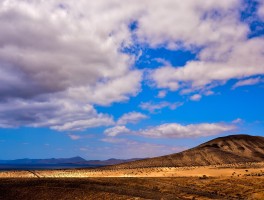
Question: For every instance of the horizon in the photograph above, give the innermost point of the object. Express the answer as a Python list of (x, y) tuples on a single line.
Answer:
[(77, 156), (68, 158), (122, 80)]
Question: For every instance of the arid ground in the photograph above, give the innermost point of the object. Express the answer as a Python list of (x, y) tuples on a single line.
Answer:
[(133, 188), (230, 181), (224, 170), (231, 167)]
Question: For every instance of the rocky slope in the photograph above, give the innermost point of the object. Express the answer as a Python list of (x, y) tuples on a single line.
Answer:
[(222, 150)]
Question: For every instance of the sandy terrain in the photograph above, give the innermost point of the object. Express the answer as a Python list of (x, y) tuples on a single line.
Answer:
[(234, 181), (227, 170)]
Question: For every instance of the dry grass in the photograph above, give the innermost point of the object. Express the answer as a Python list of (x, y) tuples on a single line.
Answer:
[(133, 188), (234, 181), (227, 170)]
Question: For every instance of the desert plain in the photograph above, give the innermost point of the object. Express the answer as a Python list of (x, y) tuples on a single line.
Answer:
[(228, 181)]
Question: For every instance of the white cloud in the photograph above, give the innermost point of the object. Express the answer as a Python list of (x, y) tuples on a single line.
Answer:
[(79, 125), (174, 130), (250, 81), (69, 52), (57, 114), (115, 140), (51, 49), (132, 117), (237, 121), (209, 93), (196, 97), (104, 93), (192, 22), (226, 52), (153, 107), (162, 94), (116, 130), (74, 137), (59, 59), (244, 60)]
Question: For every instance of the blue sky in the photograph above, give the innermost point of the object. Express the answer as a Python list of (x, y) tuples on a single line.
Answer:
[(115, 79)]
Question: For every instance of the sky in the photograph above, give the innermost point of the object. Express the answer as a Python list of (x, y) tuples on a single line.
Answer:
[(127, 79)]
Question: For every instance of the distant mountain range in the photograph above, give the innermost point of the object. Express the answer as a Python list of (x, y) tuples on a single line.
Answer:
[(223, 150), (75, 160)]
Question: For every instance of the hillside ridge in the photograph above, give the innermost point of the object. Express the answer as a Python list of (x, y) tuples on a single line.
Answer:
[(222, 150)]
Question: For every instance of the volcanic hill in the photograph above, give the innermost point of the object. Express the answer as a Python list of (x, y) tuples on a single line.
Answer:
[(223, 150)]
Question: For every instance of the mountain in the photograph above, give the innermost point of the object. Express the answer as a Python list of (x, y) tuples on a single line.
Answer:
[(75, 160), (45, 161), (111, 161), (222, 150)]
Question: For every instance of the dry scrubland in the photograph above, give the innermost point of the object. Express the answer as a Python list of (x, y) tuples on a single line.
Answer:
[(226, 170), (229, 181), (133, 188)]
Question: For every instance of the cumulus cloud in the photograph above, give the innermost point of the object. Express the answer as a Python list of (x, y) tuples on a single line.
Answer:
[(54, 52), (50, 48), (250, 81), (195, 22), (74, 136), (57, 114), (196, 97), (162, 94), (244, 60), (116, 130), (104, 93), (226, 52), (59, 59), (175, 130), (153, 107), (132, 117)]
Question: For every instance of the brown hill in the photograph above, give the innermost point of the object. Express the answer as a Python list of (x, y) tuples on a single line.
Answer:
[(222, 150)]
